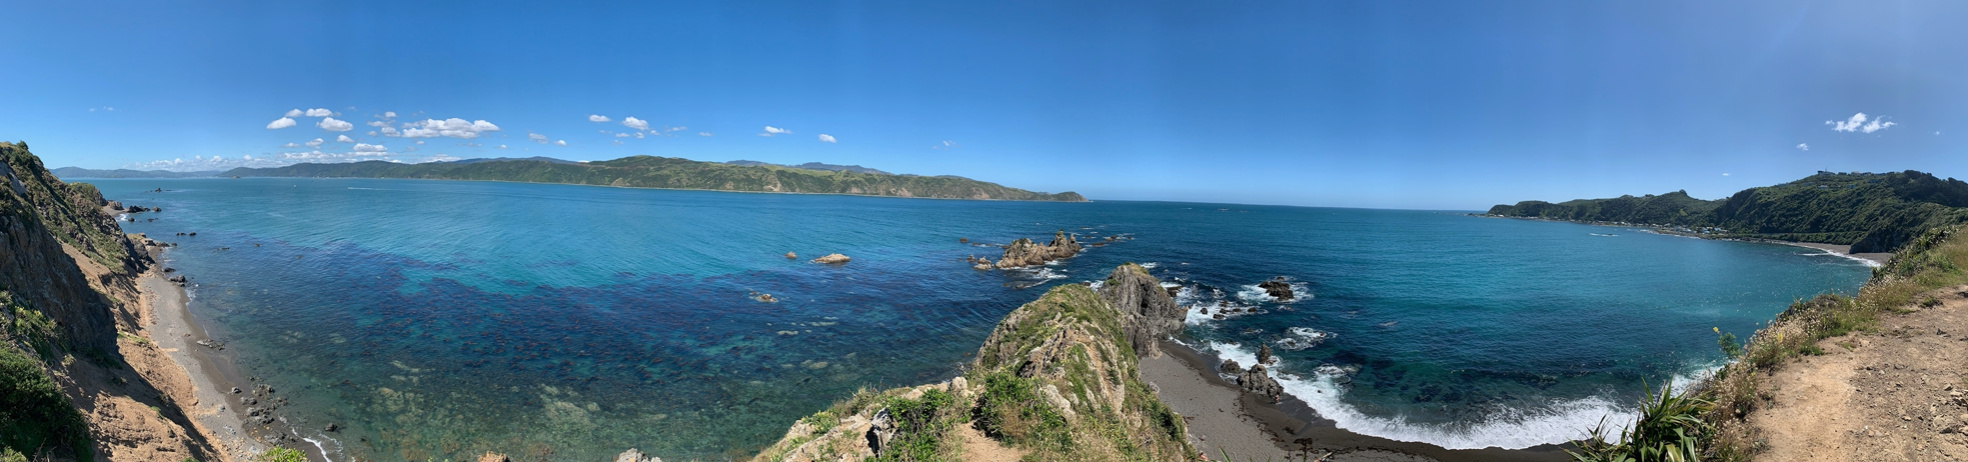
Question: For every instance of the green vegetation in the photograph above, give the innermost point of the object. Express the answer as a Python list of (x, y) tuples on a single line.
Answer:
[(922, 427), (279, 454), (1011, 411), (1872, 212), (1670, 429), (35, 417), (673, 173)]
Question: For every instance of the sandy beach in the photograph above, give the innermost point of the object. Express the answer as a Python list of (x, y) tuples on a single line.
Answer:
[(1846, 250), (1225, 421), (176, 334)]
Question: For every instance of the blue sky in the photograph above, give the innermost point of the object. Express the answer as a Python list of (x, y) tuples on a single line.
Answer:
[(1443, 105)]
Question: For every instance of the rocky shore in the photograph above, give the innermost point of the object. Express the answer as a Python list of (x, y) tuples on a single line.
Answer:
[(1024, 252)]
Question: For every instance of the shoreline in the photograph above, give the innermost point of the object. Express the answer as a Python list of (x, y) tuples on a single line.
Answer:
[(612, 186), (1224, 420), (1873, 259), (213, 371)]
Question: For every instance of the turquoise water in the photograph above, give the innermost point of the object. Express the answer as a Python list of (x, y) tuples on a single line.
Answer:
[(439, 319)]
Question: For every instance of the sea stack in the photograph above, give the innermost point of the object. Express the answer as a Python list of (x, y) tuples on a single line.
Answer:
[(1277, 288), (1023, 252), (1148, 314)]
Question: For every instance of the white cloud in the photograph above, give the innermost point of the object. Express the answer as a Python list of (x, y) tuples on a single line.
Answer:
[(638, 135), (370, 133), (389, 114), (280, 123), (290, 145), (344, 139), (365, 147), (318, 112), (1725, 174), (110, 109), (597, 118), (618, 142), (295, 113), (560, 142), (771, 130), (947, 144), (537, 138), (826, 138), (316, 143), (623, 135), (377, 123), (1860, 123), (635, 123), (330, 124), (1803, 147), (390, 131), (452, 127), (502, 146), (703, 133), (420, 141)]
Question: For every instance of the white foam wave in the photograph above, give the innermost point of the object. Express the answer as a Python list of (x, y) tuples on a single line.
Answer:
[(1254, 294), (1299, 338), (1150, 265), (1504, 428)]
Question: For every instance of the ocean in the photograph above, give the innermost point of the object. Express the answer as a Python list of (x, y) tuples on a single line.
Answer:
[(441, 319)]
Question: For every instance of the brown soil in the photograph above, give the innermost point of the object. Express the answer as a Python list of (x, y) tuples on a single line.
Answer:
[(1894, 394), (980, 448), (138, 412)]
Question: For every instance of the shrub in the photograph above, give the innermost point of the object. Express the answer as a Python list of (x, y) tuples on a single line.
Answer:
[(281, 455), (35, 416), (1010, 410), (1670, 429)]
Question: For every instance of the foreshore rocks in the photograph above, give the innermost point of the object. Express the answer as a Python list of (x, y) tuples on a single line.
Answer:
[(1024, 252), (832, 258), (1254, 380)]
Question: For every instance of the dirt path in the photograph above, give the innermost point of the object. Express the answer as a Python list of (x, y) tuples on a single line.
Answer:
[(1895, 394)]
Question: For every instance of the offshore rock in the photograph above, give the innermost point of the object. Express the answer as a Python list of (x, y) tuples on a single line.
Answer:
[(1148, 314), (1277, 288), (1024, 252), (832, 258), (1255, 380)]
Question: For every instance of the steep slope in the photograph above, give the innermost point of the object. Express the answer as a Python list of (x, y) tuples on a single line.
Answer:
[(1057, 380), (72, 307), (1872, 212), (674, 173)]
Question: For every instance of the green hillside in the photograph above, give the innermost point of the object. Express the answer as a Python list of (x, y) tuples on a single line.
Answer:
[(673, 173), (1873, 212)]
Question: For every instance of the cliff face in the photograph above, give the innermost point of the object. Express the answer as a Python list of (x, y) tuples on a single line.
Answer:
[(1057, 380), (72, 312)]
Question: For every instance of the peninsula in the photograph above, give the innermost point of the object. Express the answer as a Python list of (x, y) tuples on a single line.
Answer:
[(673, 173)]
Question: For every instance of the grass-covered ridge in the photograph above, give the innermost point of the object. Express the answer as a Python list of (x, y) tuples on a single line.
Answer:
[(673, 173), (73, 211), (1056, 380), (1873, 212), (1712, 413)]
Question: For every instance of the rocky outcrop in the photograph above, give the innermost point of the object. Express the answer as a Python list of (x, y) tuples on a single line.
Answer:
[(832, 258), (1277, 288), (1024, 252), (1061, 369), (68, 268), (1255, 380), (1148, 314)]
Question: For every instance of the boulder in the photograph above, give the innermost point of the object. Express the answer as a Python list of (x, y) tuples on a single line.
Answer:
[(832, 258), (1277, 288), (792, 256), (493, 457), (632, 455), (1255, 380), (1230, 367)]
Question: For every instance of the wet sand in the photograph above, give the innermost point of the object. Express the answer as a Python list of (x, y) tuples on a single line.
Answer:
[(1224, 420)]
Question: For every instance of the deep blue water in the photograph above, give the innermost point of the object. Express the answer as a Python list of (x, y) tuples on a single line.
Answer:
[(440, 319)]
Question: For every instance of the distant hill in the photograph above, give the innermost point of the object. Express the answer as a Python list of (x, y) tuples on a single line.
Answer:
[(674, 173), (508, 159), (813, 166), (78, 172), (1873, 212)]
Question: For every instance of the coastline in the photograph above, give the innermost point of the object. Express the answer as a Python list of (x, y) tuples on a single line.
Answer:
[(1842, 250), (213, 372), (1225, 420), (613, 186)]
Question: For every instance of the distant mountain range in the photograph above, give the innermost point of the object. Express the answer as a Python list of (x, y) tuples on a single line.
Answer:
[(674, 173), (1873, 212), (78, 172)]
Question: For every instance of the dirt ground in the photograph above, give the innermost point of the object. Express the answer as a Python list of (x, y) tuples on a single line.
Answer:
[(1895, 394)]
